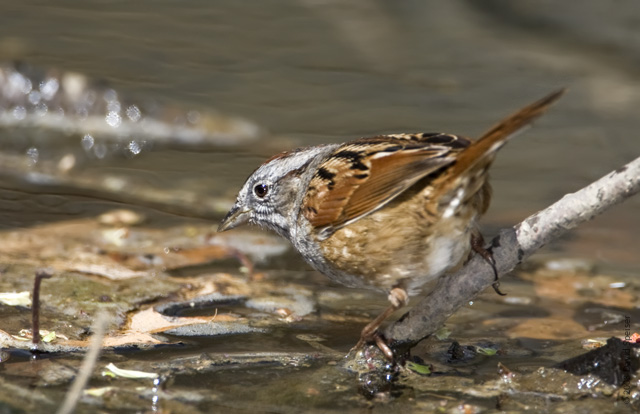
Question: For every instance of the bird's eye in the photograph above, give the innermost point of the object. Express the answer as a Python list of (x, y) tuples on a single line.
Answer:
[(261, 190)]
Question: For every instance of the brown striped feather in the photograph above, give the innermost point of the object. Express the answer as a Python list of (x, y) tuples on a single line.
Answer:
[(387, 164)]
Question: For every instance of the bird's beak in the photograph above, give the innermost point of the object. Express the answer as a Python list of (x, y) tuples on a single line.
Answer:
[(235, 217)]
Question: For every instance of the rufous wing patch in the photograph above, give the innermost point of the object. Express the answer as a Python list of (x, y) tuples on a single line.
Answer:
[(360, 178), (327, 196)]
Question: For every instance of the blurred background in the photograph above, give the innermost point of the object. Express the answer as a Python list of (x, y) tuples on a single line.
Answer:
[(166, 107), (313, 71)]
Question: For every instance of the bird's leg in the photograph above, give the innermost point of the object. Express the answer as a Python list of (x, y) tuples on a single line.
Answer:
[(477, 245), (398, 298)]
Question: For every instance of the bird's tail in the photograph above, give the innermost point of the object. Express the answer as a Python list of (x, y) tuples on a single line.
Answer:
[(470, 169)]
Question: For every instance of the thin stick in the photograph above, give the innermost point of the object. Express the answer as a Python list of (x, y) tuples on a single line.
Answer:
[(510, 248), (35, 306), (73, 395)]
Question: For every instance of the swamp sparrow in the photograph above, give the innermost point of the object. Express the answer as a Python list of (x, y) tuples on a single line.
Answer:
[(391, 212)]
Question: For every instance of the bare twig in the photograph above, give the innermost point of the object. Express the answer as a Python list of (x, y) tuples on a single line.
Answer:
[(89, 362), (35, 306), (510, 248)]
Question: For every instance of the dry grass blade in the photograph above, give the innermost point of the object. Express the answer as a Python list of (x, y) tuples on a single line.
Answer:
[(89, 362)]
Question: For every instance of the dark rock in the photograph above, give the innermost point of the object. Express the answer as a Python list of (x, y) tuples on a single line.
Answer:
[(614, 363)]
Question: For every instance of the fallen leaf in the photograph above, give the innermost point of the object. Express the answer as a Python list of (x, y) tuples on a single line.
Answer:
[(151, 321), (16, 298), (129, 373), (129, 338)]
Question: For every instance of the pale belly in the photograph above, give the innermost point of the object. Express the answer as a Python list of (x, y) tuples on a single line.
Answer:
[(383, 253)]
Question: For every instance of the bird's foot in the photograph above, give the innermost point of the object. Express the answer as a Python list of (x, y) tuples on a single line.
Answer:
[(477, 245), (398, 298)]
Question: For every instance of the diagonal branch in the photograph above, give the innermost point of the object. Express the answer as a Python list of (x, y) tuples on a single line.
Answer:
[(509, 248)]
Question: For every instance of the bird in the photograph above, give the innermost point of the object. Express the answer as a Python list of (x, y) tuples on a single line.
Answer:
[(388, 212)]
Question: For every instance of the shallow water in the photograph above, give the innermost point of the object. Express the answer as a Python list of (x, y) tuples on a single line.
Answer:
[(311, 72)]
